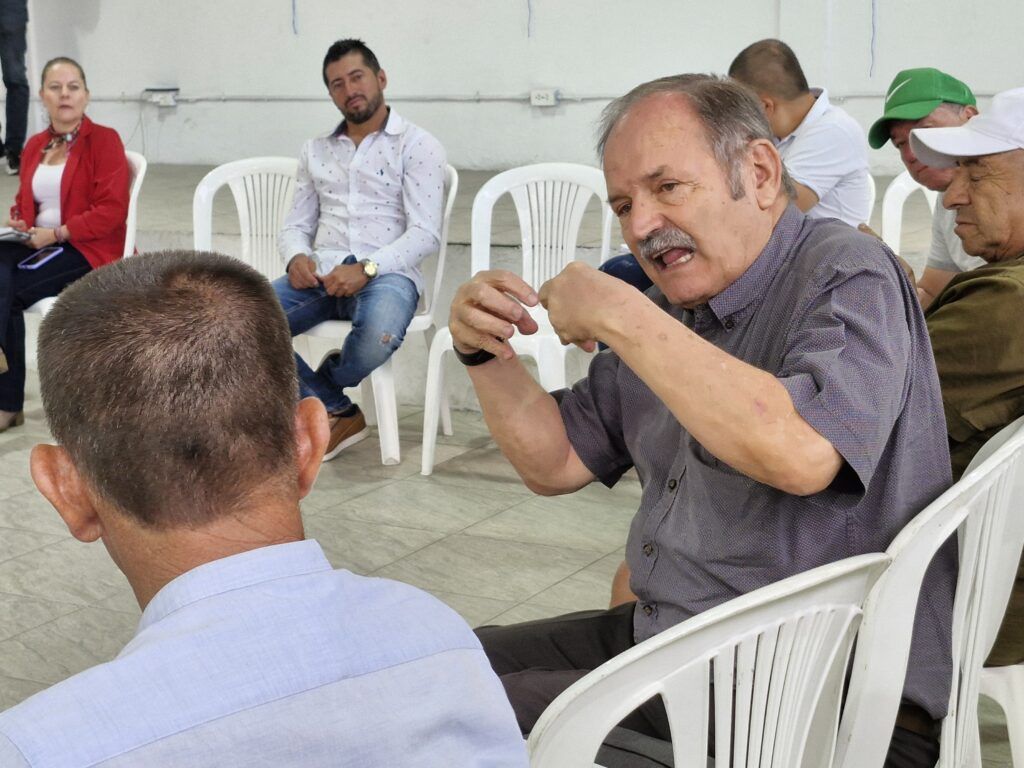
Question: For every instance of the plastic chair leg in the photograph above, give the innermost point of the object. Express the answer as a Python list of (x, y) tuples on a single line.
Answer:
[(382, 384), (432, 399), (1005, 686), (368, 402), (446, 412)]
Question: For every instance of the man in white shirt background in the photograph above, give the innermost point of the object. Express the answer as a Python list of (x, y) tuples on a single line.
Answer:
[(822, 147), (929, 98), (367, 210)]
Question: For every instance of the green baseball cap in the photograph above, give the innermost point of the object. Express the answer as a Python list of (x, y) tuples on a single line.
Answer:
[(913, 94)]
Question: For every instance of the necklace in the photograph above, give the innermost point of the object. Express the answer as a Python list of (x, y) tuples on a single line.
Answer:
[(57, 139)]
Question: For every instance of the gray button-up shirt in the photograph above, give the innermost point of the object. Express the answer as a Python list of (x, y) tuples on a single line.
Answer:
[(829, 312)]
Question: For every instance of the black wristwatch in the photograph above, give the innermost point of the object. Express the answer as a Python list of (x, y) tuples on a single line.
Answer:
[(479, 357)]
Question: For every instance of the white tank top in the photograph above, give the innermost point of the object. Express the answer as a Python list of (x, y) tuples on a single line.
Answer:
[(46, 191)]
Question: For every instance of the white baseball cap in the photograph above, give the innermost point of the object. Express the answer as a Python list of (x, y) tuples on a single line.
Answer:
[(999, 129)]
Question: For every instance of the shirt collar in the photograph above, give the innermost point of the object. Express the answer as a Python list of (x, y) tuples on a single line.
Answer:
[(752, 284), (821, 106), (256, 566), (394, 125)]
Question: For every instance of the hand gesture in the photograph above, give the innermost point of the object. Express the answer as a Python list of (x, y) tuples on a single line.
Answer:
[(302, 273), (488, 309), (580, 299), (345, 280)]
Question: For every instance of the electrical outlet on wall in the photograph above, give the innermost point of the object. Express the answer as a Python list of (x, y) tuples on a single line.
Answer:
[(544, 97), (162, 97)]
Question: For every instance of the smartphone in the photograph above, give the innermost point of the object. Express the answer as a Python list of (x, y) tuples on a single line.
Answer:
[(40, 257)]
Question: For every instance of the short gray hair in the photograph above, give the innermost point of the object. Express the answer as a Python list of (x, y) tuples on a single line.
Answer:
[(730, 113)]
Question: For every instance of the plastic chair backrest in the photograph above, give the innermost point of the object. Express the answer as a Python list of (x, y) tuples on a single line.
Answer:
[(769, 654), (550, 199), (428, 300), (895, 196), (979, 508), (137, 169), (262, 188), (872, 195)]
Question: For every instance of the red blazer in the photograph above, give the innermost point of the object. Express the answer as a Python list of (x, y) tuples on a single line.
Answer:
[(93, 191)]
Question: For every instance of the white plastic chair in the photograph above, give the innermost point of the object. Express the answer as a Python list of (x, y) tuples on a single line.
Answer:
[(262, 188), (379, 390), (137, 170), (550, 199), (873, 195), (981, 507), (895, 196), (1005, 685), (770, 654)]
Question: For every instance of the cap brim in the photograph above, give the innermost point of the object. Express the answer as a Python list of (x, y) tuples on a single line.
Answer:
[(941, 147), (879, 133)]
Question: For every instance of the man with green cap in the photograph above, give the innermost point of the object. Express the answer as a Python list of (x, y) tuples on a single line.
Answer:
[(928, 98)]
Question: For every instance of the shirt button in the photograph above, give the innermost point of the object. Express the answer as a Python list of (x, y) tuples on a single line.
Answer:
[(648, 610), (728, 323), (672, 484), (648, 549)]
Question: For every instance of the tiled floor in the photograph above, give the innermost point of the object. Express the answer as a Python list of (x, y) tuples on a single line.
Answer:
[(471, 533)]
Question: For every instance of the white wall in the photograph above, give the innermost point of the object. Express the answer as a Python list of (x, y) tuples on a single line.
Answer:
[(464, 69)]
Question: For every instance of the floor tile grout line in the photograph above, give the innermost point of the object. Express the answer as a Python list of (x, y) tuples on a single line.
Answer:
[(552, 586), (5, 593), (428, 530), (79, 609), (57, 540), (492, 537)]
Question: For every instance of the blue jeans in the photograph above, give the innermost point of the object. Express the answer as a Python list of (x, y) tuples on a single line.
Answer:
[(13, 18), (20, 289), (380, 314)]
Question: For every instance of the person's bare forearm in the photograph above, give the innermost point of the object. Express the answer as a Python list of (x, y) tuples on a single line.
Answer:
[(741, 414), (526, 424)]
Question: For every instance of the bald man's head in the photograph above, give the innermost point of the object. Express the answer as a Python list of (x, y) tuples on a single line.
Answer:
[(771, 68)]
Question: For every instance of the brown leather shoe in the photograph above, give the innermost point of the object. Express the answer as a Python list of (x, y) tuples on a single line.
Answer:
[(3, 362), (10, 419), (346, 431)]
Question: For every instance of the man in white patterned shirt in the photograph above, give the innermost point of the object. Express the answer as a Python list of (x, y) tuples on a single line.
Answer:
[(368, 207)]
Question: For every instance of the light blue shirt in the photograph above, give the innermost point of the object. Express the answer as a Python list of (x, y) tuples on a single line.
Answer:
[(273, 658)]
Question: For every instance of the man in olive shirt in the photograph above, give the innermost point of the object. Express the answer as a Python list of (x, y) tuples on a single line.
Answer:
[(975, 324)]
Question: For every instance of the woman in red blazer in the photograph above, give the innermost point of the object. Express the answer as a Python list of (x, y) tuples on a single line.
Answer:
[(73, 196)]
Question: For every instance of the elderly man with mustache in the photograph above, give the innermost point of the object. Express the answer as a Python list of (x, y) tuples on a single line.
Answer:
[(776, 395)]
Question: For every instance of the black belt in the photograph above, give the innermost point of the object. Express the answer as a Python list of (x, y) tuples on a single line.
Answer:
[(913, 718)]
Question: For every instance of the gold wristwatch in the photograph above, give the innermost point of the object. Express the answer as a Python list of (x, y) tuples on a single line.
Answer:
[(369, 268)]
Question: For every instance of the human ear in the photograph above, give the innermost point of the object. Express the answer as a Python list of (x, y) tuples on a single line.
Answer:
[(58, 479), (767, 170), (312, 433)]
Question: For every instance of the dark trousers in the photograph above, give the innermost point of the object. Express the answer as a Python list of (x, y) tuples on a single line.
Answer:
[(19, 289), (13, 19), (537, 660)]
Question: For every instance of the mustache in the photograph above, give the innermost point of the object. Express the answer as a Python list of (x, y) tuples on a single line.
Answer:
[(665, 239)]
